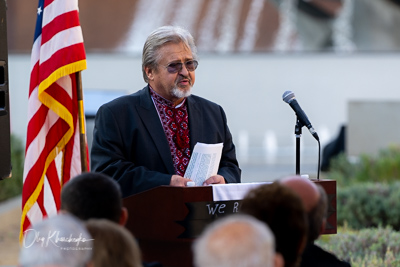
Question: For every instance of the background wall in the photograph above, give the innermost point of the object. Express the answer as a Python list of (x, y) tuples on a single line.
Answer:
[(250, 89)]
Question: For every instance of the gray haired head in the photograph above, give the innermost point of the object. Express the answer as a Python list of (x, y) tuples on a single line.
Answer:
[(235, 240), (61, 240), (160, 37)]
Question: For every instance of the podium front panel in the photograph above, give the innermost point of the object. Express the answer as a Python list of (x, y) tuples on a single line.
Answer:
[(166, 219)]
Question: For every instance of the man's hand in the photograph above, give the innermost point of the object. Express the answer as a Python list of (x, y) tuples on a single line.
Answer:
[(216, 179), (177, 180)]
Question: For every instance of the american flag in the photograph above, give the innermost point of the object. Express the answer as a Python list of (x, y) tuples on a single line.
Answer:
[(52, 154)]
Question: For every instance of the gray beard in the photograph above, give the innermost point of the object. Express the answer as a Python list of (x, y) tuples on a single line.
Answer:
[(178, 93)]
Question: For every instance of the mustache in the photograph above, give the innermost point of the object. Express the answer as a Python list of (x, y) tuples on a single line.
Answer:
[(181, 78)]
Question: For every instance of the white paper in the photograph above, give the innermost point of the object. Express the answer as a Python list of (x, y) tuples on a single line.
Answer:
[(204, 162), (225, 192)]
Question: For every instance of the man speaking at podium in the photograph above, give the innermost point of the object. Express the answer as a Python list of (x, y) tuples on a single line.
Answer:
[(145, 139)]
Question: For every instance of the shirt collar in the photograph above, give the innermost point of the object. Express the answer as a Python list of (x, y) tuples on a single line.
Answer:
[(157, 98)]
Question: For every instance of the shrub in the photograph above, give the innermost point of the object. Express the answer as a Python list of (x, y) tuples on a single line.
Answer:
[(12, 187), (383, 168), (369, 205), (367, 247)]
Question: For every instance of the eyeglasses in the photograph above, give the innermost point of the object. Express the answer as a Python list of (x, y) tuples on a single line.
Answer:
[(176, 67)]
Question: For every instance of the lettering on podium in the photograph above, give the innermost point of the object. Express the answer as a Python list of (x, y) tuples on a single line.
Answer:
[(200, 214)]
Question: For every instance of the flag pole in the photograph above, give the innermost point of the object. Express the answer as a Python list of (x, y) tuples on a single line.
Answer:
[(81, 118)]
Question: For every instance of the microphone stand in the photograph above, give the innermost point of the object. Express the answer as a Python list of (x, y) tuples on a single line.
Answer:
[(297, 132)]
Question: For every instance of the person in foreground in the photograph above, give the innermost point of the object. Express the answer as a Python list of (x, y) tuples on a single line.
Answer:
[(145, 139), (58, 241), (282, 210), (113, 245), (315, 202), (94, 196), (236, 241)]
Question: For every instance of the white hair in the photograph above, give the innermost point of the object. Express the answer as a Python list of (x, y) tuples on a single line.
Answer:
[(61, 240), (233, 241)]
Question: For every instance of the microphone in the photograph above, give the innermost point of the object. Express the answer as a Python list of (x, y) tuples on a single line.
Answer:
[(289, 98)]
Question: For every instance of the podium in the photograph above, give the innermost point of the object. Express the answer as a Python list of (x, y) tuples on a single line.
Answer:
[(166, 220)]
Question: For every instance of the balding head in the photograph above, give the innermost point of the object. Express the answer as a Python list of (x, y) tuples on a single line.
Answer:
[(236, 240), (307, 190), (314, 200)]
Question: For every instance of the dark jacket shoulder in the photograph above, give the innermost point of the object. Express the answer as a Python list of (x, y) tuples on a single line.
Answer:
[(133, 98), (315, 256)]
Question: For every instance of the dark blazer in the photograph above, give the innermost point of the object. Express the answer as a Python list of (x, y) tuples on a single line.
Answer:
[(129, 143), (314, 256)]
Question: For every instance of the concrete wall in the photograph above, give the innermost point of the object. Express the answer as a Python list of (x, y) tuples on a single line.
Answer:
[(373, 125), (250, 88)]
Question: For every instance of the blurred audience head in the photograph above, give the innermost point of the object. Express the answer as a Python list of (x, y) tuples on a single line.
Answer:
[(282, 210), (114, 245), (306, 190), (58, 241), (236, 241), (93, 195), (315, 201), (318, 215)]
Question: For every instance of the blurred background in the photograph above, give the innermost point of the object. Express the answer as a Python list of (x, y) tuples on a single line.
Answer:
[(333, 54)]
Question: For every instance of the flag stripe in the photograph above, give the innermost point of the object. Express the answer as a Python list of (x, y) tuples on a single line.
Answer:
[(36, 122), (62, 58), (61, 96), (47, 3), (35, 65), (55, 8), (40, 203), (51, 194), (62, 39), (75, 162), (35, 148), (32, 177), (60, 72), (49, 148), (59, 24), (35, 214), (54, 185), (38, 118)]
